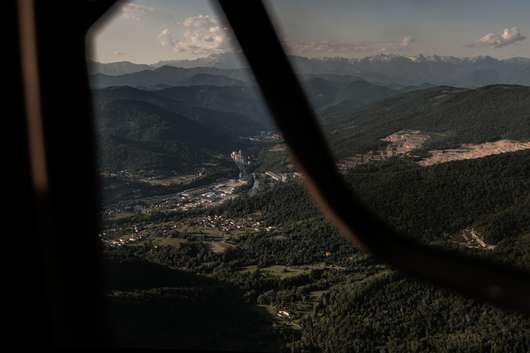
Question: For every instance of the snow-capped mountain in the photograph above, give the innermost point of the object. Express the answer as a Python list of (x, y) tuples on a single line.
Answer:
[(383, 68)]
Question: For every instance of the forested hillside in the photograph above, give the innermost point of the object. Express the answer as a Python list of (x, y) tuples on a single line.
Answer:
[(430, 204), (343, 93), (451, 116), (182, 127), (174, 129), (343, 300), (385, 310)]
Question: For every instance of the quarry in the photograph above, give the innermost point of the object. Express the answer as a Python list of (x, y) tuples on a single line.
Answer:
[(404, 142)]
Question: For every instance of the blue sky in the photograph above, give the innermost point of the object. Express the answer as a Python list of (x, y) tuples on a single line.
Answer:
[(146, 31)]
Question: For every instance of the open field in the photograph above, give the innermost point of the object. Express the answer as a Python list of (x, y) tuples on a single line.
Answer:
[(170, 180), (282, 272)]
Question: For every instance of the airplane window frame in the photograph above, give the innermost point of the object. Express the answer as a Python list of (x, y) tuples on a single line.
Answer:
[(502, 286)]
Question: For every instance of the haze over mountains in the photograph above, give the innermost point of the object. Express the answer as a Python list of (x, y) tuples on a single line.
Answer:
[(169, 76), (219, 61), (383, 69)]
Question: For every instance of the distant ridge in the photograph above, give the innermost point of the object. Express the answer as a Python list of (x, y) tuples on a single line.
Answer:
[(386, 69), (166, 76)]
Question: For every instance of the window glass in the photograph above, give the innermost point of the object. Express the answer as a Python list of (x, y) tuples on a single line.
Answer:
[(425, 107), (210, 239)]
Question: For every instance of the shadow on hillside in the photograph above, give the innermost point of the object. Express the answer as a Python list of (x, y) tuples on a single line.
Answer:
[(151, 305)]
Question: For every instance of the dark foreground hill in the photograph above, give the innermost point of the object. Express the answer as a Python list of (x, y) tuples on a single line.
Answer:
[(154, 306)]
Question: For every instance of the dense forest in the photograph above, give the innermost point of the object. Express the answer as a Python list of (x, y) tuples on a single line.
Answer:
[(174, 129), (431, 204), (451, 116), (344, 300)]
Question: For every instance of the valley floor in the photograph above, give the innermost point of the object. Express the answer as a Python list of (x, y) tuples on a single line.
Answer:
[(288, 275)]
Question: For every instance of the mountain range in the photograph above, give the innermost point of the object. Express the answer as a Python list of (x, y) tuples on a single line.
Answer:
[(382, 69), (174, 129), (162, 112), (170, 76), (183, 126)]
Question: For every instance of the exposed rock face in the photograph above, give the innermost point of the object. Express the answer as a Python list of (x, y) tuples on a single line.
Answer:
[(470, 238), (404, 142), (400, 143), (469, 151), (241, 161)]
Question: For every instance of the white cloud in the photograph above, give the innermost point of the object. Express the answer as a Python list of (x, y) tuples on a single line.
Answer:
[(406, 42), (333, 48), (165, 38), (134, 11), (494, 40), (203, 35)]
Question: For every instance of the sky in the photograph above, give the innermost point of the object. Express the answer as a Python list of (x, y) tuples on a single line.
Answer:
[(148, 31)]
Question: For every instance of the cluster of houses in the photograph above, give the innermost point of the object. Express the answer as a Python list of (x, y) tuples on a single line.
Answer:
[(116, 243), (229, 225)]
